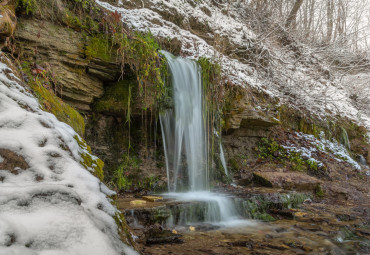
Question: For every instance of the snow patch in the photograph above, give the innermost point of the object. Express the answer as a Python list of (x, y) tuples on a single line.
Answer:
[(55, 206), (323, 145)]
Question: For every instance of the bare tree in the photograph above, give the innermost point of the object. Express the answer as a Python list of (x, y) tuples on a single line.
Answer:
[(293, 13)]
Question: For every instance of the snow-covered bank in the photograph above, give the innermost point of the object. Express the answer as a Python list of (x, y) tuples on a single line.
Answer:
[(49, 203), (300, 82)]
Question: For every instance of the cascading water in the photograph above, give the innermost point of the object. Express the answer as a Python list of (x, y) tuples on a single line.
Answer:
[(185, 143), (183, 129), (223, 161)]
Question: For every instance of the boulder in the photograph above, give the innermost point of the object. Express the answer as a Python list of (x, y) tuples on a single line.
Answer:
[(287, 180)]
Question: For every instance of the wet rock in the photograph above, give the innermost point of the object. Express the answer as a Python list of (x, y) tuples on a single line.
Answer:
[(152, 198), (286, 180), (297, 245), (249, 244), (309, 227), (138, 202), (156, 235), (286, 213)]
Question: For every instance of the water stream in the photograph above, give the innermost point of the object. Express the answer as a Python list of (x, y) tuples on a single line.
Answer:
[(186, 146)]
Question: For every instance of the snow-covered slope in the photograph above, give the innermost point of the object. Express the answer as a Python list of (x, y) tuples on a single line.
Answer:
[(301, 82), (49, 203)]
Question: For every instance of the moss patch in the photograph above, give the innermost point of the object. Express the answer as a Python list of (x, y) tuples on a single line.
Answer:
[(117, 97), (258, 207), (98, 47), (269, 149), (89, 161)]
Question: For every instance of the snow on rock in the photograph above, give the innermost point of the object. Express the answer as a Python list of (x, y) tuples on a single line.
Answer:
[(50, 204), (313, 146), (293, 81)]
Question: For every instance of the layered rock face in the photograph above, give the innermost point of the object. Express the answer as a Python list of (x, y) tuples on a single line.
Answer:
[(80, 80)]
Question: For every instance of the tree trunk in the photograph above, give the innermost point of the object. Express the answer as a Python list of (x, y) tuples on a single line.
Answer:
[(329, 19), (293, 13)]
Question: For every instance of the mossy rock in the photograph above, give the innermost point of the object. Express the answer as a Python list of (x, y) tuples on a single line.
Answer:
[(118, 98), (63, 111), (89, 161), (99, 47)]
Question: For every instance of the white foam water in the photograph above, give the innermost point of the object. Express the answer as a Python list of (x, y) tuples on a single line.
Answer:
[(183, 128)]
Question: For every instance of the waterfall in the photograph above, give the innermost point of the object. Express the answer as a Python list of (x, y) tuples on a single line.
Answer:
[(183, 129), (186, 146), (223, 161)]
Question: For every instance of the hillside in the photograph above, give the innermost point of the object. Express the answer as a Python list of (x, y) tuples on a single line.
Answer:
[(181, 127)]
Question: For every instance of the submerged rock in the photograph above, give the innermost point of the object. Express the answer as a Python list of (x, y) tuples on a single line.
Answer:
[(157, 235), (153, 198)]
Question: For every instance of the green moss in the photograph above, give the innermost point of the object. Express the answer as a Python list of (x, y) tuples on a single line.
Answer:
[(211, 79), (292, 200), (89, 161), (264, 217), (140, 52), (319, 191), (72, 20), (268, 149), (98, 47), (27, 6), (120, 221), (258, 207), (116, 97)]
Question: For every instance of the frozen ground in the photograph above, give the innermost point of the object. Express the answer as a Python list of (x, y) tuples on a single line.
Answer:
[(302, 83), (50, 204)]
